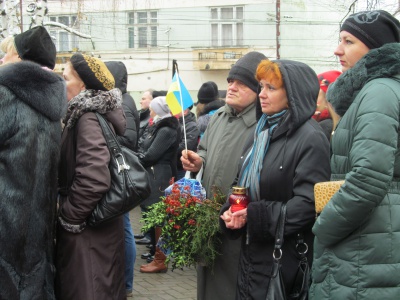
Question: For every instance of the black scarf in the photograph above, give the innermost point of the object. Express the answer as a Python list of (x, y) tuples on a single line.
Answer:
[(383, 62)]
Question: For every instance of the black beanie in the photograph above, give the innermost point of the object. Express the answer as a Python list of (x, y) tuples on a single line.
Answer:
[(208, 92), (373, 28), (93, 72), (36, 45), (245, 69)]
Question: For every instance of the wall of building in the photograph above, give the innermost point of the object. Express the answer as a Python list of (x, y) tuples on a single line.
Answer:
[(306, 31)]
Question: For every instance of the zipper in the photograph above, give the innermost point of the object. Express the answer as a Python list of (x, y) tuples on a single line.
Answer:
[(154, 174)]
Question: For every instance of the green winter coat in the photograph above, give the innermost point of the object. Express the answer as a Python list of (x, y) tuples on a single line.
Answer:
[(357, 244)]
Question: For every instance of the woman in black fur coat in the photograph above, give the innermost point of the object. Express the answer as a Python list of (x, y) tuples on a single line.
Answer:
[(33, 101)]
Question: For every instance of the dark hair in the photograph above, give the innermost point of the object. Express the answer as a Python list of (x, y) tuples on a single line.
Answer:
[(159, 94)]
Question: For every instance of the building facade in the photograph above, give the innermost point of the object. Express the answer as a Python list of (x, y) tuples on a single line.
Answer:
[(204, 37)]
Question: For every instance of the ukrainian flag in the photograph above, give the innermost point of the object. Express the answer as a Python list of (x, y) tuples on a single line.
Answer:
[(175, 91)]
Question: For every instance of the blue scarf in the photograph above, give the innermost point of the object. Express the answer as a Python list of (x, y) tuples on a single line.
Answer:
[(250, 174)]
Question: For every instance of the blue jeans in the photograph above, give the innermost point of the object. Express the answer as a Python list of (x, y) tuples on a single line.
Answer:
[(130, 253)]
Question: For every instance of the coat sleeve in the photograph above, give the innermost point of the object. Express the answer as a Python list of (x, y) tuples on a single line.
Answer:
[(165, 137), (312, 166), (371, 160), (192, 135), (92, 176)]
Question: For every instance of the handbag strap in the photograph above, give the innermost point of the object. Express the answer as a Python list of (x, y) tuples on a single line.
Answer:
[(301, 246), (277, 253), (112, 144)]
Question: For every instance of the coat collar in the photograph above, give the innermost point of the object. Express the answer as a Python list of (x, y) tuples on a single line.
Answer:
[(248, 114)]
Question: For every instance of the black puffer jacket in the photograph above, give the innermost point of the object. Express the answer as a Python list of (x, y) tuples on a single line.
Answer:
[(32, 104), (131, 135), (297, 158), (158, 152)]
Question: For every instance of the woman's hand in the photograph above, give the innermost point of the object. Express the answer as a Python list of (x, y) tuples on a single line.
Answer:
[(191, 161), (235, 220)]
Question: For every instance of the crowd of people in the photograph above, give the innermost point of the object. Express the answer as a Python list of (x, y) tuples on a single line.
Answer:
[(279, 130)]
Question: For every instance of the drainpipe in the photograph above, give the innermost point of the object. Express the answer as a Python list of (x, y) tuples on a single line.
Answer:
[(20, 9), (278, 24)]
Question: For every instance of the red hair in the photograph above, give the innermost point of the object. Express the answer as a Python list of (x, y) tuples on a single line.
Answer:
[(268, 70)]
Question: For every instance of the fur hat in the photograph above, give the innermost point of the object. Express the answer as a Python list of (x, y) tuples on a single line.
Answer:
[(326, 78), (208, 92), (160, 107), (245, 69), (93, 72), (36, 45), (374, 28)]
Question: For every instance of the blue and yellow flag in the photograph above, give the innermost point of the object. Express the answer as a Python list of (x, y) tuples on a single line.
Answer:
[(175, 91)]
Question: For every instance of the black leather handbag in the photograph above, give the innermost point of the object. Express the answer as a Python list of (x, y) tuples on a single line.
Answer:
[(130, 184), (302, 282), (276, 288)]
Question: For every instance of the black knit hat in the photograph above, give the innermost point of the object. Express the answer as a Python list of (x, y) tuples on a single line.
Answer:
[(208, 92), (245, 69), (373, 28), (93, 72), (36, 45)]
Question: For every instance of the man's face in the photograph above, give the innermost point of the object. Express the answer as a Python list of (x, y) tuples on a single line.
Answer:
[(239, 96), (146, 99)]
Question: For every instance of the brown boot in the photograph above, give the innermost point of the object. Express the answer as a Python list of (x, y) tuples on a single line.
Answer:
[(157, 265)]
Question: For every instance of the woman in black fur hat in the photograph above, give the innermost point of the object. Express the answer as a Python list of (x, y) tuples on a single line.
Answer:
[(31, 108)]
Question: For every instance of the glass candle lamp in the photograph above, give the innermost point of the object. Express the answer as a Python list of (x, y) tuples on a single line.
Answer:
[(238, 199)]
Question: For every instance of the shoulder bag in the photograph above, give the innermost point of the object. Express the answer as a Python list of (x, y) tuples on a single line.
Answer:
[(130, 184), (276, 288)]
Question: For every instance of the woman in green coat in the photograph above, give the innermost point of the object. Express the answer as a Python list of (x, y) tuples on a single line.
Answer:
[(357, 244)]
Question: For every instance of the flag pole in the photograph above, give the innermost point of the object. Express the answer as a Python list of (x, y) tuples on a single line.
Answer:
[(181, 100)]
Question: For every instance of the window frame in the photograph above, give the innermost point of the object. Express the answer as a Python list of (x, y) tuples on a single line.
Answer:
[(221, 21), (145, 30), (64, 41)]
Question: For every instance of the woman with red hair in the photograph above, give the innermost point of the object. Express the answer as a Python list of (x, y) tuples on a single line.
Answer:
[(288, 155)]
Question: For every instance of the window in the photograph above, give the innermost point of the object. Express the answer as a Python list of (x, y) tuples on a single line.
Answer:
[(227, 26), (131, 30), (64, 40), (143, 26)]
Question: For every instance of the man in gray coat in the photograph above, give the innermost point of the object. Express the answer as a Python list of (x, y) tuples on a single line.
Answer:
[(218, 154)]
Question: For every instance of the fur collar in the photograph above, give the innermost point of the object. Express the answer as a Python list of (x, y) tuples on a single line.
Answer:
[(94, 101), (171, 122), (383, 62)]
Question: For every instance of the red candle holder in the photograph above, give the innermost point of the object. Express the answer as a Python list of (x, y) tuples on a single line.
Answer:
[(238, 199)]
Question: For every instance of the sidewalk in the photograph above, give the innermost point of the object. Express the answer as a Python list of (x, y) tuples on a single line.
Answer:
[(179, 284)]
